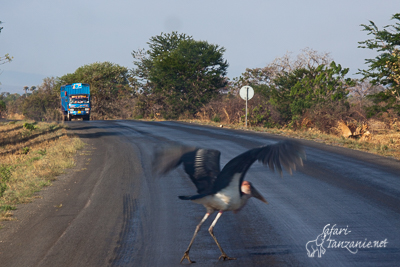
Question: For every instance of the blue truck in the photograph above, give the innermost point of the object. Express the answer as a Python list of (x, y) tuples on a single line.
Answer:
[(75, 101)]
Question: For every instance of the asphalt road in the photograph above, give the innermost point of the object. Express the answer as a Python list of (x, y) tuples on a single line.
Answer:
[(111, 211)]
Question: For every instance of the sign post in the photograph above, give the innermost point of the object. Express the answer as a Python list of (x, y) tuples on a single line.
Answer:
[(246, 93)]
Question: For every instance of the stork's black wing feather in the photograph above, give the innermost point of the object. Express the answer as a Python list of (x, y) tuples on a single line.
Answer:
[(202, 165), (168, 158), (286, 154)]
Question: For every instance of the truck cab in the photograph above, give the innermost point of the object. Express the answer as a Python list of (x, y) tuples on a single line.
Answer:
[(75, 101)]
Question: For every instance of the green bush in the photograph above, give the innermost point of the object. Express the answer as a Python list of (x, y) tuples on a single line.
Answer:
[(25, 150), (7, 207), (30, 126), (216, 118), (42, 152)]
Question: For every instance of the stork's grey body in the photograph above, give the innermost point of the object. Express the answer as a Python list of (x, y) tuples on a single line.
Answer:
[(225, 190)]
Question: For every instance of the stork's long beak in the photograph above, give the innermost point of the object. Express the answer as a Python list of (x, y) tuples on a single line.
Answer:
[(257, 195)]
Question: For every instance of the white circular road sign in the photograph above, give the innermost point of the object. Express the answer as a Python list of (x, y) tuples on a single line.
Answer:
[(246, 92)]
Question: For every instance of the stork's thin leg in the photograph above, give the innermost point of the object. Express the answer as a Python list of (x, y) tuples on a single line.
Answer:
[(186, 255), (210, 230)]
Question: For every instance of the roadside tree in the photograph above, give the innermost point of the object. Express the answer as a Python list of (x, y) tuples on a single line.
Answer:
[(293, 93), (180, 73), (384, 69), (43, 103), (307, 59)]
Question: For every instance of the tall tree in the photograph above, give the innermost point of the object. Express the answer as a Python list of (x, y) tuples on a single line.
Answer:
[(143, 59), (184, 73), (385, 68), (189, 76)]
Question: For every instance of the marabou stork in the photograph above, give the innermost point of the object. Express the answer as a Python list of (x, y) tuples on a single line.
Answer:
[(225, 190)]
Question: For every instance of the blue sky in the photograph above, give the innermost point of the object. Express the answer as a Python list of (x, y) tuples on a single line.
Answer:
[(53, 37)]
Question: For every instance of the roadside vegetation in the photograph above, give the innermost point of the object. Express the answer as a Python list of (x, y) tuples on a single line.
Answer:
[(384, 142), (32, 154), (179, 78)]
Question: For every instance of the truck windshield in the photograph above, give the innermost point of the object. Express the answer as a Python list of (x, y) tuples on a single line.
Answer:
[(78, 100)]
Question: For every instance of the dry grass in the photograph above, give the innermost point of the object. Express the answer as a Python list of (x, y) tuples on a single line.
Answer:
[(31, 157), (385, 143)]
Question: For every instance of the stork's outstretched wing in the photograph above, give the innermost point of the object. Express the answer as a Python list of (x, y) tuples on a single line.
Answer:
[(168, 158), (286, 154), (202, 165)]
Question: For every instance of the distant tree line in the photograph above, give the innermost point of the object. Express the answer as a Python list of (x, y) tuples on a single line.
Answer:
[(179, 77)]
